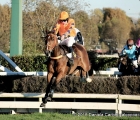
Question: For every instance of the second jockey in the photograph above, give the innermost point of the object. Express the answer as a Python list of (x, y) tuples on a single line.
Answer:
[(131, 51)]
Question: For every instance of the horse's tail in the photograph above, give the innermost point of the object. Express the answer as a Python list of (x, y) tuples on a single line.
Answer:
[(92, 69), (90, 72)]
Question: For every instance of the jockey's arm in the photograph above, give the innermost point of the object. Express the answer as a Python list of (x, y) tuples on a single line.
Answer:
[(56, 28), (70, 29)]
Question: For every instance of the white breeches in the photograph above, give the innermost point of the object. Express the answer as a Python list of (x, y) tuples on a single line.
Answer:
[(68, 42)]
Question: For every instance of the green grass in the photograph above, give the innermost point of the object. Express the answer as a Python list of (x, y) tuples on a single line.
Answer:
[(57, 116)]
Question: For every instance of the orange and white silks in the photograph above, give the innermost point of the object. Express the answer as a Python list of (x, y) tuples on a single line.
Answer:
[(66, 29)]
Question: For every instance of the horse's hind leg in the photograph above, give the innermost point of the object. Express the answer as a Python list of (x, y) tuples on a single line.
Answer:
[(85, 76), (88, 79), (82, 75)]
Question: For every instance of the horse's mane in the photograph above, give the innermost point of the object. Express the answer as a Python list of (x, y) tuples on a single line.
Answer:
[(51, 31)]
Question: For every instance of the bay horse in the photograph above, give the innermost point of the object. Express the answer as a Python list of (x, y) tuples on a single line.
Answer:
[(57, 64), (125, 65)]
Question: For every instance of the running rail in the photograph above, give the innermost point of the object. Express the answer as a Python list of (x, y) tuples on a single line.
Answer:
[(10, 62)]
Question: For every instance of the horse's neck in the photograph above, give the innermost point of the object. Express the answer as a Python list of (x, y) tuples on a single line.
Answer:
[(56, 51)]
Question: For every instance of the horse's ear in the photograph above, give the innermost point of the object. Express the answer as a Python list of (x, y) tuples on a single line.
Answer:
[(53, 31), (46, 31), (43, 35)]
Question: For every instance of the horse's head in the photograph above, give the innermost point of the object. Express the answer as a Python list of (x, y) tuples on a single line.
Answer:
[(123, 59), (50, 42)]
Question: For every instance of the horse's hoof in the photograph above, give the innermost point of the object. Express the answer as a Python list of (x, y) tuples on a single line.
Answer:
[(49, 99), (88, 79), (42, 105)]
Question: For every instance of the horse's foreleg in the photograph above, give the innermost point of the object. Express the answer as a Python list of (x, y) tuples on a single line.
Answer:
[(51, 90), (55, 82), (49, 83)]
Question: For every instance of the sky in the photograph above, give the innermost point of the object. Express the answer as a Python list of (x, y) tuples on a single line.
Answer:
[(131, 7)]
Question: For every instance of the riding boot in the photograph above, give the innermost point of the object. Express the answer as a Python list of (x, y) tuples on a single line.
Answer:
[(70, 56)]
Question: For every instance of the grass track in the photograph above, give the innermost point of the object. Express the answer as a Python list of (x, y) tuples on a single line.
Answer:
[(57, 116)]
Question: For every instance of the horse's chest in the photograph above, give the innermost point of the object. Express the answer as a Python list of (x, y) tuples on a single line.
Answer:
[(58, 65)]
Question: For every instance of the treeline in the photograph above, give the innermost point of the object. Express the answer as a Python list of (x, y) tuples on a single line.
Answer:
[(110, 27)]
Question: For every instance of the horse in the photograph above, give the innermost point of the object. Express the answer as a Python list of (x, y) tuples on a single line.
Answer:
[(57, 64), (125, 65)]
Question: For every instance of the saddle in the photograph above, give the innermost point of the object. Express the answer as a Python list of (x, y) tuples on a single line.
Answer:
[(67, 49)]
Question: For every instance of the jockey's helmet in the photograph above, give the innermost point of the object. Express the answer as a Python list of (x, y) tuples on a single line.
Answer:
[(138, 42), (63, 15), (130, 42)]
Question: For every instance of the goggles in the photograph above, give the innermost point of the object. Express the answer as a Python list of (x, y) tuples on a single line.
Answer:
[(130, 45), (64, 20)]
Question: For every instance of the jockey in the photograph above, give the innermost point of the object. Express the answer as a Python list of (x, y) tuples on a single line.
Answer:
[(131, 51), (65, 28)]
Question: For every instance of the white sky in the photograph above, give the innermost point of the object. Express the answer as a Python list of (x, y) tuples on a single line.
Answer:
[(131, 7), (5, 2)]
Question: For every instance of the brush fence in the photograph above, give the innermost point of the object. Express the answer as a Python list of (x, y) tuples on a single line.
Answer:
[(67, 103)]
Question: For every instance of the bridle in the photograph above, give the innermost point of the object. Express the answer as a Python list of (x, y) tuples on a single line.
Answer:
[(49, 52)]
